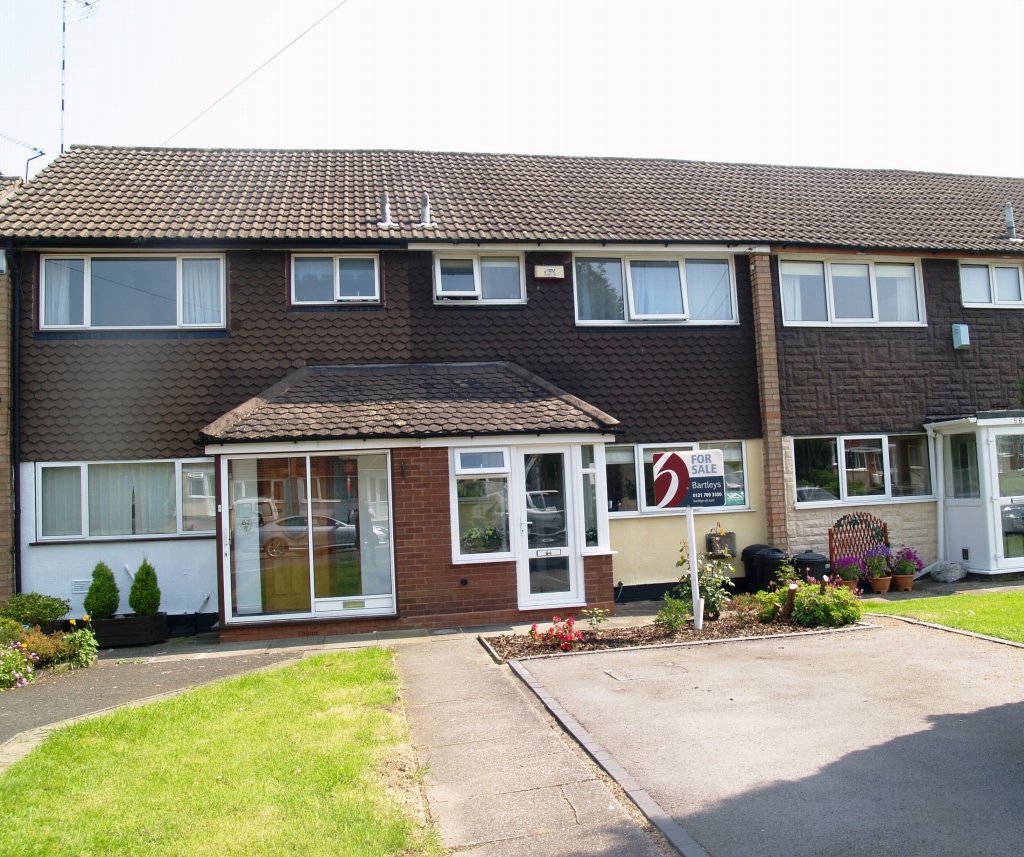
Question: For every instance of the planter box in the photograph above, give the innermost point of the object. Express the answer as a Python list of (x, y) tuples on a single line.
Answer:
[(130, 630)]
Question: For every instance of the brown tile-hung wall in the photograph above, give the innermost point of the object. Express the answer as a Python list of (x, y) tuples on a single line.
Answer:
[(881, 379), (132, 397), (429, 589)]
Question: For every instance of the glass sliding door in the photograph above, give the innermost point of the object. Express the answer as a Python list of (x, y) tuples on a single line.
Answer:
[(1009, 449), (309, 535)]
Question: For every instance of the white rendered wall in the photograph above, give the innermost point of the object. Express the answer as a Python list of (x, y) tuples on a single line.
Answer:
[(186, 568)]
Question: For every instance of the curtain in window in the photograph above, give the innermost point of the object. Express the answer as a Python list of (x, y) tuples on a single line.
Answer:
[(62, 501), (131, 499), (803, 291), (897, 293), (656, 288), (708, 289), (62, 303), (200, 291)]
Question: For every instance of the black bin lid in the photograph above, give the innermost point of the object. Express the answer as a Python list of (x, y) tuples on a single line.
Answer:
[(771, 553), (750, 551), (809, 556)]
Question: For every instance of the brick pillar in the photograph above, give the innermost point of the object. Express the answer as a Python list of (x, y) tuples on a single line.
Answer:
[(6, 472), (771, 399)]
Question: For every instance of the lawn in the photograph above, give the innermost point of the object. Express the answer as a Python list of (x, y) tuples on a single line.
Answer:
[(997, 614), (307, 759)]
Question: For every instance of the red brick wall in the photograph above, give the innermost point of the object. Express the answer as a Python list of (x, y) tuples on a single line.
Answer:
[(428, 587)]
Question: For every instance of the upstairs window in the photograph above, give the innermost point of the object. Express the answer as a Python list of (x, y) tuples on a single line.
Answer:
[(124, 292), (335, 279), (625, 289), (992, 284), (850, 292), (477, 278)]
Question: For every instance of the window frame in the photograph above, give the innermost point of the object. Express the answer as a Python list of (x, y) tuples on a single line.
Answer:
[(88, 258), (845, 499), (630, 318), (640, 449), (991, 264), (511, 508), (476, 298), (83, 466), (871, 262), (338, 299)]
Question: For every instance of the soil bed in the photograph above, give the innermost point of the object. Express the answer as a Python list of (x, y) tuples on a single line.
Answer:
[(510, 646)]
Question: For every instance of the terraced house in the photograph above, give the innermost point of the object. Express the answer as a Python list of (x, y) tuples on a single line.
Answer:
[(330, 391)]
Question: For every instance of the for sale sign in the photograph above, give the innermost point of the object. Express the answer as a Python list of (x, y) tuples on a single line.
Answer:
[(689, 479)]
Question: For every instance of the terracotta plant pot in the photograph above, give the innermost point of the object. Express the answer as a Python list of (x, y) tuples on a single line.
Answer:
[(903, 582), (850, 584), (880, 585), (130, 630)]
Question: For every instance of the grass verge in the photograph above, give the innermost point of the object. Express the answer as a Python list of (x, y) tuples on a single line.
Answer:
[(996, 614), (306, 759)]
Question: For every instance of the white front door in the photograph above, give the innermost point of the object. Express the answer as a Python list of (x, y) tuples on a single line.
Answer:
[(550, 565), (1008, 499)]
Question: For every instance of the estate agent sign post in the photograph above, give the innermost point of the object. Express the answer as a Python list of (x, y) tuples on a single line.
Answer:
[(688, 479)]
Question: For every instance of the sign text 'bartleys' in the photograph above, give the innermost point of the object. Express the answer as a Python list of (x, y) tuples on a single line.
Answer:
[(694, 478)]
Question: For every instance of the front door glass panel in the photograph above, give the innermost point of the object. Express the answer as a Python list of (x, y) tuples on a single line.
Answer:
[(547, 531)]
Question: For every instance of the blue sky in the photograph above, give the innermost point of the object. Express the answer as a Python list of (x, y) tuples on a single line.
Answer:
[(905, 84)]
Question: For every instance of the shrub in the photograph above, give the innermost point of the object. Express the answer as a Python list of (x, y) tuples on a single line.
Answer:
[(32, 608), (104, 597), (10, 631), (849, 568), (815, 604), (83, 648), (674, 614), (17, 665), (144, 598), (561, 634), (595, 617), (745, 609), (712, 582), (49, 648), (831, 608)]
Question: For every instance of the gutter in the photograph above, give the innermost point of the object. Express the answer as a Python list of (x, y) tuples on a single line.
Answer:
[(15, 408)]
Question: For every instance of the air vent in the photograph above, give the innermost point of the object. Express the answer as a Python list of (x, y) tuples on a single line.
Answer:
[(79, 587)]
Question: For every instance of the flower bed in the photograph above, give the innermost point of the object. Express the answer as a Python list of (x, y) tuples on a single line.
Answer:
[(509, 646)]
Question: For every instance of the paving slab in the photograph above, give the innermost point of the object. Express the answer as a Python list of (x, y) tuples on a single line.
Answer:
[(500, 779), (895, 740)]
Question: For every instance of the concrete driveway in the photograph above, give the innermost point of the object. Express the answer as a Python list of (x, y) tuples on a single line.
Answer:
[(898, 740)]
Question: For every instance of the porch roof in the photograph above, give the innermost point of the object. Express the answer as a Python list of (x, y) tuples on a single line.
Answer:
[(412, 400)]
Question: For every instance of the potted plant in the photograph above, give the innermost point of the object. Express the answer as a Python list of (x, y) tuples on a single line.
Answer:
[(146, 625), (850, 570), (906, 564), (878, 562)]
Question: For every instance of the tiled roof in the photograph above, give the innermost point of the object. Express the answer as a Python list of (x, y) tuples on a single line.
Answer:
[(8, 185), (408, 400), (225, 194)]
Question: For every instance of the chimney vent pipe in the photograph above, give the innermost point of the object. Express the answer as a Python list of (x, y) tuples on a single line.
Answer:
[(1011, 229)]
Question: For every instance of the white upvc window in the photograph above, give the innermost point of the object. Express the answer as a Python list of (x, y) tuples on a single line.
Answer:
[(479, 278), (630, 476), (117, 500), (995, 283), (349, 278), (851, 292), (856, 469), (138, 292), (482, 519), (654, 289)]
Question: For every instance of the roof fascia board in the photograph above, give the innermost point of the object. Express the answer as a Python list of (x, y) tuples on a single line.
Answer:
[(127, 245), (288, 447), (592, 247), (917, 253)]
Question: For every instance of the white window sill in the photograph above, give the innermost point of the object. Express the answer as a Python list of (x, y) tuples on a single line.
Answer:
[(598, 552), (663, 513), (657, 323), (867, 501), (551, 605), (154, 537), (1006, 305), (862, 324), (476, 559)]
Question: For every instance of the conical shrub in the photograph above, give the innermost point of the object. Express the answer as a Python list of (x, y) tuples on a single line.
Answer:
[(144, 598), (103, 597)]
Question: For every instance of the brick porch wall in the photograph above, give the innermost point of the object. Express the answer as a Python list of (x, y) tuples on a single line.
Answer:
[(427, 583)]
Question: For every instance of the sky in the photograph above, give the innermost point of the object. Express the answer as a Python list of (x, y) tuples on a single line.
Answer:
[(897, 84)]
